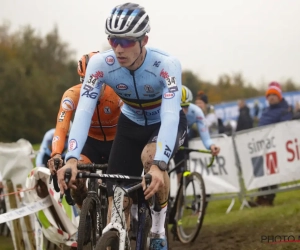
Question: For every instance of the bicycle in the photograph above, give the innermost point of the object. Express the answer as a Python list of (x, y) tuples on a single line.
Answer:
[(188, 207), (115, 233), (93, 215)]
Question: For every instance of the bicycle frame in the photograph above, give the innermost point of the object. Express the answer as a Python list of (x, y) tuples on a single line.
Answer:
[(118, 220)]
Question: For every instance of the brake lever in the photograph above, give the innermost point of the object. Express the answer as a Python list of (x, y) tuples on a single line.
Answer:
[(155, 204), (69, 199), (54, 177)]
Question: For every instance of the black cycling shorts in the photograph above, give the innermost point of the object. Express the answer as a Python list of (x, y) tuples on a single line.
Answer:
[(97, 151), (179, 157), (130, 140)]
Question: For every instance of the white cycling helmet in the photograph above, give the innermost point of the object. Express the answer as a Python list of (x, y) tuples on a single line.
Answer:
[(186, 96), (128, 20)]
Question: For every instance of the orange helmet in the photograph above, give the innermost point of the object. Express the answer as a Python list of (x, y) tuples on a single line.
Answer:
[(82, 64)]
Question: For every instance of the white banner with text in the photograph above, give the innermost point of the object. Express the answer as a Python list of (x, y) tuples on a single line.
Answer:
[(222, 176), (269, 155)]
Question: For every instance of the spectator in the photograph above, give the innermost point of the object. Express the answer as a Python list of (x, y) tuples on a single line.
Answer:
[(278, 111), (244, 120), (230, 127), (296, 114), (256, 110), (209, 112)]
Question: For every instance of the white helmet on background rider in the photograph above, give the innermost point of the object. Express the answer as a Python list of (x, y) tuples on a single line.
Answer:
[(128, 20)]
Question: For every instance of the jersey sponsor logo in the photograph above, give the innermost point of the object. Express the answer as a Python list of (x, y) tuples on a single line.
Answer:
[(168, 95), (156, 64), (87, 87), (62, 116), (152, 94), (55, 139), (148, 88), (107, 110), (72, 145), (154, 112), (92, 95), (164, 74), (110, 60), (122, 86), (154, 139), (94, 78), (167, 151), (171, 83), (67, 104), (98, 74)]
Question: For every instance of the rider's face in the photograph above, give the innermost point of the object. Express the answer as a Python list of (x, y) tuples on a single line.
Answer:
[(201, 104), (127, 49)]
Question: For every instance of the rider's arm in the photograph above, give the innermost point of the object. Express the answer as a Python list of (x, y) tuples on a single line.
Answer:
[(170, 108), (67, 106), (89, 94), (44, 148), (202, 127)]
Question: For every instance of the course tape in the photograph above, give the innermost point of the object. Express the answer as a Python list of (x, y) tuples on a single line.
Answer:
[(29, 208)]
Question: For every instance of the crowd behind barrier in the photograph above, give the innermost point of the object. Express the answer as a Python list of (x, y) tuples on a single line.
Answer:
[(248, 160), (230, 111)]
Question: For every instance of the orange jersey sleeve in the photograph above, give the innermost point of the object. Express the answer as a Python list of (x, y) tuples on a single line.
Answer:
[(68, 105), (107, 112)]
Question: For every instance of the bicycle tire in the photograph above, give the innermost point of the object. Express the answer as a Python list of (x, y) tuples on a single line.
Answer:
[(145, 229), (108, 239), (182, 235), (104, 203), (167, 229), (90, 208)]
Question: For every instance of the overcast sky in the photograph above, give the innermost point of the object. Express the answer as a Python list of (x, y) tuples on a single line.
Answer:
[(259, 38)]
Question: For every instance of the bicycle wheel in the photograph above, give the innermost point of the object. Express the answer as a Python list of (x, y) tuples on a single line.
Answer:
[(190, 208), (109, 240), (143, 230), (90, 223), (104, 203)]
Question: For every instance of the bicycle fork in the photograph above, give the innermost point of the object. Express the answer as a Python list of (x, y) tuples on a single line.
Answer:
[(118, 220)]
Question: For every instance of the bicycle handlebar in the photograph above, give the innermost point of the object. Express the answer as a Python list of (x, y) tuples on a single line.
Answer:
[(68, 174), (204, 151), (92, 166)]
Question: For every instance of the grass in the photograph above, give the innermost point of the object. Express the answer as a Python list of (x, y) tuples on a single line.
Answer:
[(6, 243), (246, 229)]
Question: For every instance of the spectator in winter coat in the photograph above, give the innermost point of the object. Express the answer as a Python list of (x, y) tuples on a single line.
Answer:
[(278, 111), (296, 113), (244, 120)]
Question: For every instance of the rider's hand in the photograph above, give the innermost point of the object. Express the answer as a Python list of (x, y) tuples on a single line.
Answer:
[(71, 163), (50, 163), (156, 184), (215, 150)]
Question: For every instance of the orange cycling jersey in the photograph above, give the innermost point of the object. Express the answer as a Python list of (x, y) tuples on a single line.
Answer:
[(107, 113)]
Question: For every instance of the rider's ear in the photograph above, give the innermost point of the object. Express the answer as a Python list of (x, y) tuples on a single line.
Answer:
[(145, 41)]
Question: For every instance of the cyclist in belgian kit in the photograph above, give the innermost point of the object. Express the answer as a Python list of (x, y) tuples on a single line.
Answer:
[(194, 115), (151, 123)]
